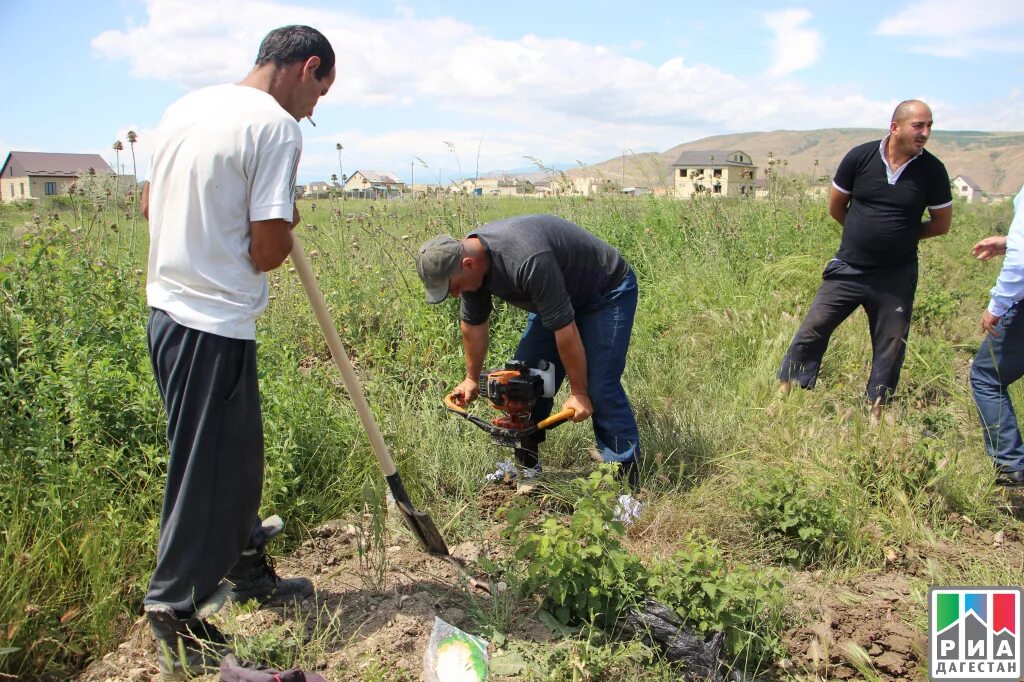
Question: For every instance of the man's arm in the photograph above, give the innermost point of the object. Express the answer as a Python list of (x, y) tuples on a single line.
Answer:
[(475, 340), (1009, 288), (271, 241), (574, 359), (144, 200), (938, 223), (838, 205)]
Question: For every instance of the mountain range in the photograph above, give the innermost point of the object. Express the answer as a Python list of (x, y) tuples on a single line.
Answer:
[(994, 160)]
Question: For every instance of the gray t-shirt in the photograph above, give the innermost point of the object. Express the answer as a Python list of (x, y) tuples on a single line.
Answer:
[(543, 264)]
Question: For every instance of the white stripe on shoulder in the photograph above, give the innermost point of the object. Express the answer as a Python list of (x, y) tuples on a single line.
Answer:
[(844, 191), (948, 203)]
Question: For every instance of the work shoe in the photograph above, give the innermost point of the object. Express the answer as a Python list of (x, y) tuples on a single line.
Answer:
[(254, 577), (185, 646), (1010, 479)]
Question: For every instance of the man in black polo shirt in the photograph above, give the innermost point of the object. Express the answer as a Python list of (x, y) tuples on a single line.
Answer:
[(879, 195), (581, 295)]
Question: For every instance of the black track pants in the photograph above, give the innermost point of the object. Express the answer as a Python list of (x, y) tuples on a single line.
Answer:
[(887, 295), (209, 388)]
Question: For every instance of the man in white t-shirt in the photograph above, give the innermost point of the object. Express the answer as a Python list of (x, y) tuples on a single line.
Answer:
[(221, 207)]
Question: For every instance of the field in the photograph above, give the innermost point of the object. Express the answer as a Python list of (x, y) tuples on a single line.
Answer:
[(808, 537)]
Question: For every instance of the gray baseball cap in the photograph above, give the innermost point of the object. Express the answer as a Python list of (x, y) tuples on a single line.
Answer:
[(436, 261)]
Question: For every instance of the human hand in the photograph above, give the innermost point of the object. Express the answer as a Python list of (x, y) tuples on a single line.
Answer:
[(466, 392), (989, 322), (989, 247), (580, 403)]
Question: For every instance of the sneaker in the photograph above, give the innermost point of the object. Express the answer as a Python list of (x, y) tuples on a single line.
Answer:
[(254, 577), (185, 647), (505, 473), (628, 509)]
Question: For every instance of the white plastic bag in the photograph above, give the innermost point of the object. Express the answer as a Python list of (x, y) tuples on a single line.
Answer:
[(454, 656)]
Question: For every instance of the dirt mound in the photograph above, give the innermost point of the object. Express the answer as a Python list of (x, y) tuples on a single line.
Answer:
[(364, 614), (866, 615)]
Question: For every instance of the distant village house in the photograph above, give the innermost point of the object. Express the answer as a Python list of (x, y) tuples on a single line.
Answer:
[(589, 185), (966, 188), (499, 185), (373, 184), (35, 175), (716, 172)]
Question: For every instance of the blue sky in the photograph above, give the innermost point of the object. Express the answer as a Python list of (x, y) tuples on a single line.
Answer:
[(558, 81)]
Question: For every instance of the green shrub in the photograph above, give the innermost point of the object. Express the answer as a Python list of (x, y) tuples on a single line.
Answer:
[(803, 518), (584, 574)]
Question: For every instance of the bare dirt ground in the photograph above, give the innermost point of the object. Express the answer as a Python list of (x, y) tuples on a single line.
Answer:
[(373, 621)]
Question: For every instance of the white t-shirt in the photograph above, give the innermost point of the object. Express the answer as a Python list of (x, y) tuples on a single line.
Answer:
[(225, 156)]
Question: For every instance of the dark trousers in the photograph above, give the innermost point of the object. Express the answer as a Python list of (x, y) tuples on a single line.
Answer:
[(209, 388), (998, 363), (605, 327), (887, 295)]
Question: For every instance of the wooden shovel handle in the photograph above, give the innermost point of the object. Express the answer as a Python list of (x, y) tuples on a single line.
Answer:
[(348, 375)]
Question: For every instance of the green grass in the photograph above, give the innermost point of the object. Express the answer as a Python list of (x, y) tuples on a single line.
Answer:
[(723, 286)]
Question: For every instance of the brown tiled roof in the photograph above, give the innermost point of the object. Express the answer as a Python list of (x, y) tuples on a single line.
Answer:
[(21, 164)]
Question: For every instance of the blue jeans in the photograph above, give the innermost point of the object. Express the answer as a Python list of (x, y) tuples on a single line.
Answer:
[(605, 324), (999, 363)]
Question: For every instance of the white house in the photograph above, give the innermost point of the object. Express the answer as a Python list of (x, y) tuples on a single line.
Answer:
[(370, 184), (965, 187)]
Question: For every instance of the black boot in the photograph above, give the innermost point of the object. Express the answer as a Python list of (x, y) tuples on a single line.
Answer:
[(527, 458), (1009, 479), (254, 577), (186, 646), (629, 472)]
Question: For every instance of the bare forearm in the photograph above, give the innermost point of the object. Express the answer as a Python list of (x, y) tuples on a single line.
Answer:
[(573, 357), (475, 339), (268, 254), (938, 223), (929, 229), (144, 200)]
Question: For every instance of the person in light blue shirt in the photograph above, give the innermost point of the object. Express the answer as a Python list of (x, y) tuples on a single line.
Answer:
[(1000, 359)]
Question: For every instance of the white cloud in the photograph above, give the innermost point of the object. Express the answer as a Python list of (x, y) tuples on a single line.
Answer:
[(557, 99), (951, 28), (796, 47)]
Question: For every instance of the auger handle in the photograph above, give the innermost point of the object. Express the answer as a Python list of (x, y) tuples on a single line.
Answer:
[(449, 402), (556, 419)]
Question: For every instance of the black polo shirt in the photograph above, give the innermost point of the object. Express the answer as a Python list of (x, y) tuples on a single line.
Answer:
[(883, 225)]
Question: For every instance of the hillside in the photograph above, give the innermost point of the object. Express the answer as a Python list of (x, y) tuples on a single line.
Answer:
[(994, 160)]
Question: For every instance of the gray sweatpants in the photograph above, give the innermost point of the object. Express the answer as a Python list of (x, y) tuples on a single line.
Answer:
[(210, 390)]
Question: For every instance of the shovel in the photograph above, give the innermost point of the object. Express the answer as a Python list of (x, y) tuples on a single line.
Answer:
[(420, 523)]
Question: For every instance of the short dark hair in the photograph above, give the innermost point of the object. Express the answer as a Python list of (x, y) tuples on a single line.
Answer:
[(290, 44)]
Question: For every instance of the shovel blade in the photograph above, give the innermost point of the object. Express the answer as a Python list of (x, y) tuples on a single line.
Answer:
[(418, 522)]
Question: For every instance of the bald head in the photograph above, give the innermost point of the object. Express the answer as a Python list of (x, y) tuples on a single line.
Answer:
[(910, 129), (909, 108)]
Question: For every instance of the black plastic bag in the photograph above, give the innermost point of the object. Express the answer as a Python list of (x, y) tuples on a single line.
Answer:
[(656, 624)]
